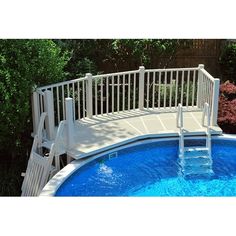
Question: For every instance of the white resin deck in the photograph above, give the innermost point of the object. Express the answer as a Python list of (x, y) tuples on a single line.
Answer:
[(106, 131)]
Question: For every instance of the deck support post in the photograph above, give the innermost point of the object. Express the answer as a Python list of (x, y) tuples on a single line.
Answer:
[(141, 87), (49, 108), (199, 86), (215, 100), (35, 111), (89, 95), (69, 122)]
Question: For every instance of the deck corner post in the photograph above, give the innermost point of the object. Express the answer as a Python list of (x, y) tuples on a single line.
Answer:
[(141, 87), (199, 86), (69, 122), (35, 111), (89, 95), (49, 108), (215, 100)]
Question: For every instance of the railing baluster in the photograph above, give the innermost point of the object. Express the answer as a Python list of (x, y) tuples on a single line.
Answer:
[(159, 90), (58, 108), (153, 89), (182, 88), (203, 91), (208, 91), (118, 93), (211, 92), (176, 88), (165, 89), (68, 90), (107, 95), (78, 91), (187, 88), (41, 103), (83, 92), (112, 102), (96, 96), (73, 91), (193, 91), (123, 93), (148, 81), (134, 96), (170, 99), (129, 93), (63, 102), (101, 90)]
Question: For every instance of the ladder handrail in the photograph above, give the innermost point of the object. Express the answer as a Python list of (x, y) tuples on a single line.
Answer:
[(179, 124), (206, 114)]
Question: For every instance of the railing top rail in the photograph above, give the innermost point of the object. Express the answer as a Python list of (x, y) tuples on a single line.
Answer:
[(123, 73), (116, 73), (172, 69), (207, 75), (84, 78), (61, 83)]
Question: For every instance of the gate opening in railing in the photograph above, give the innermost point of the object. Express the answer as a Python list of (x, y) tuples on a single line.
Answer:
[(161, 89)]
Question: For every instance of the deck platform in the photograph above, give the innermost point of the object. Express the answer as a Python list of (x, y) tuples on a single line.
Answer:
[(103, 132)]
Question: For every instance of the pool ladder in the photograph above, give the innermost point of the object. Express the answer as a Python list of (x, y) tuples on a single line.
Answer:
[(195, 160)]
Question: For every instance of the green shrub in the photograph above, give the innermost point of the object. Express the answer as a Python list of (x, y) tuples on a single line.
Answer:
[(228, 62), (24, 64)]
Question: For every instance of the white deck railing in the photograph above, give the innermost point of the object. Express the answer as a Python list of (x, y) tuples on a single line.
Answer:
[(161, 89)]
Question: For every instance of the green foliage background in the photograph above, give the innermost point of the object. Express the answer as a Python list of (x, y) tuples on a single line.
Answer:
[(228, 61), (24, 64)]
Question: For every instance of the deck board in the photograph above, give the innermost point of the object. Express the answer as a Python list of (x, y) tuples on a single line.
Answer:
[(101, 132)]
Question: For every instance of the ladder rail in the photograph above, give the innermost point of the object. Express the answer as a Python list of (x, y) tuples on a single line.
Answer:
[(180, 126), (206, 115)]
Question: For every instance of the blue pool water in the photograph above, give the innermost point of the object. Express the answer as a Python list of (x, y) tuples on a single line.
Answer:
[(152, 169)]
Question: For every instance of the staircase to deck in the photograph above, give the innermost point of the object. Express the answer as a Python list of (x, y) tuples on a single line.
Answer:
[(195, 160)]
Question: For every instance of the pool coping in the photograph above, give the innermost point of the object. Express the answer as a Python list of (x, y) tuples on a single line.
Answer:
[(52, 186)]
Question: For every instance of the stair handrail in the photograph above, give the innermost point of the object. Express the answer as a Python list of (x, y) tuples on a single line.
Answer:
[(206, 114), (179, 124), (54, 151)]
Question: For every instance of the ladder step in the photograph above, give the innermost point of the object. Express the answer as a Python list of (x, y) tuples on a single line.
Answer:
[(195, 148), (197, 171), (199, 161), (196, 152)]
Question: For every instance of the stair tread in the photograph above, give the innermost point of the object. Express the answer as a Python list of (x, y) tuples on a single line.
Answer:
[(195, 162), (208, 171), (195, 148)]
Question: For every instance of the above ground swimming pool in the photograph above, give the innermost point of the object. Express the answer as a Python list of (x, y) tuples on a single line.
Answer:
[(151, 168)]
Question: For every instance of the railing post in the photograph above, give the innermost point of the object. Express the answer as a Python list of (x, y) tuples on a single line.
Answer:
[(141, 87), (49, 108), (35, 111), (199, 86), (89, 95), (69, 122), (215, 99)]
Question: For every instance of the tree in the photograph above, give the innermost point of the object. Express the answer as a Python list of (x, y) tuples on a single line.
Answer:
[(112, 55), (24, 64)]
